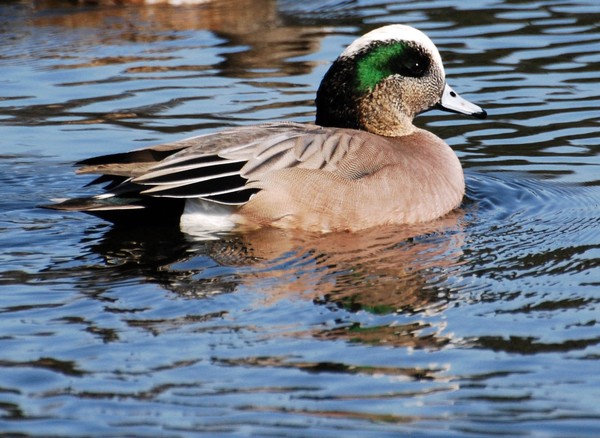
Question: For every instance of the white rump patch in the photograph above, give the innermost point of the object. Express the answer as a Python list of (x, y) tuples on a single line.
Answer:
[(204, 218)]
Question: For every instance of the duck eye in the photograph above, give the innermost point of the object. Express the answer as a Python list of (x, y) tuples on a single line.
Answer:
[(380, 61), (411, 63)]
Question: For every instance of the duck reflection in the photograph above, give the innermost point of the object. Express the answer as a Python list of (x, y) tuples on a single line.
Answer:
[(268, 33), (380, 271)]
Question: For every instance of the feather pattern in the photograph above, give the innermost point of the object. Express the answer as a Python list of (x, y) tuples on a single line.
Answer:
[(208, 161)]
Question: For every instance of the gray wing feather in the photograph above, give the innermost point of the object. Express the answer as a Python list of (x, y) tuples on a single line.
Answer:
[(236, 156)]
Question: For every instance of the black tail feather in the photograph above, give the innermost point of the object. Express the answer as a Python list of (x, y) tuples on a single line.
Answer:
[(127, 211)]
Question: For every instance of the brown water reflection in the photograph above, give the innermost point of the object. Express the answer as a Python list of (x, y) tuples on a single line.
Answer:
[(387, 263), (257, 24), (378, 271)]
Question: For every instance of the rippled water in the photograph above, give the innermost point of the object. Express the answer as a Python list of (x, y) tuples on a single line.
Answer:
[(483, 323)]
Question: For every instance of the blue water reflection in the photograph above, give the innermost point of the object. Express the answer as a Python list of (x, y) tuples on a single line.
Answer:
[(482, 323)]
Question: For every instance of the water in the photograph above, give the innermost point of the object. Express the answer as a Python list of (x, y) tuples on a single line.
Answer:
[(482, 323)]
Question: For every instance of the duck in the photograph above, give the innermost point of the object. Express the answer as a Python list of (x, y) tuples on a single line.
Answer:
[(361, 164)]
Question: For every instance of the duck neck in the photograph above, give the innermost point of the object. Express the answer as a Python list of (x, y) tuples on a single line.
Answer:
[(386, 120), (336, 100), (339, 104)]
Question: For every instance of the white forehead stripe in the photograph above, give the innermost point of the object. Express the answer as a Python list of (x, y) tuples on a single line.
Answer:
[(395, 32)]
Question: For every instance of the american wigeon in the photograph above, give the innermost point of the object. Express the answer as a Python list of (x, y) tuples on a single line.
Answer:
[(362, 164)]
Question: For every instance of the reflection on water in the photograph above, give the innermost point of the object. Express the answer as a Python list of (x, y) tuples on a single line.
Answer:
[(482, 323), (380, 271), (255, 24)]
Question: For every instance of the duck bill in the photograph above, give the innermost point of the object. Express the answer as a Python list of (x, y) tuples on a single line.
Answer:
[(452, 102)]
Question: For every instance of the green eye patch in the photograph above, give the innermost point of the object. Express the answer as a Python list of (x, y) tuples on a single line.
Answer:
[(385, 60)]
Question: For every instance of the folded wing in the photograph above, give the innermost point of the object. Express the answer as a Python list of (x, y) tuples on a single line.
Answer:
[(222, 167)]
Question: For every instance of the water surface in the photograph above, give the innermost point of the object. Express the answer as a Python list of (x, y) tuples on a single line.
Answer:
[(482, 323)]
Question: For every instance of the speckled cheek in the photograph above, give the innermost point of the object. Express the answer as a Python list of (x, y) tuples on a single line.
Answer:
[(386, 111)]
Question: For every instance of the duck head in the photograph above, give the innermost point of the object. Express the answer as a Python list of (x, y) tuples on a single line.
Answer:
[(383, 80)]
